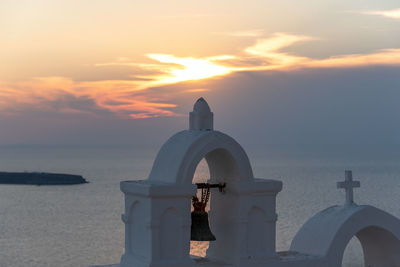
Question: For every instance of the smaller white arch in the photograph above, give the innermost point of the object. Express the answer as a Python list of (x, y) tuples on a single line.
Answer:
[(178, 158), (328, 233)]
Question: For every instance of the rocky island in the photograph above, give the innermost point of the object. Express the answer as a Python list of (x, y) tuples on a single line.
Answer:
[(40, 178)]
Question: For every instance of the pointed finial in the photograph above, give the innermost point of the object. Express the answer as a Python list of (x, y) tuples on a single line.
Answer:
[(201, 118), (201, 105)]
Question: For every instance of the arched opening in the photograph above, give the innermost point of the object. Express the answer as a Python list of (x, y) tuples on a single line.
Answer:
[(353, 255), (227, 162), (177, 160), (201, 175), (219, 166), (380, 248)]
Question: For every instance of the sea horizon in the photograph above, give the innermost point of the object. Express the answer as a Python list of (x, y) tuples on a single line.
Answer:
[(80, 225)]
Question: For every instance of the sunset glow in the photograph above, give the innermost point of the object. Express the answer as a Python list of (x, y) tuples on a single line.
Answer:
[(135, 98), (188, 69), (260, 104), (130, 77)]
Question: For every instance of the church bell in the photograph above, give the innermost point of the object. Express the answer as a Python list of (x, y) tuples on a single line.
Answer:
[(200, 229)]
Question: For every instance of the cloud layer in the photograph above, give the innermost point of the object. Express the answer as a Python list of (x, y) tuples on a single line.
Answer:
[(147, 93), (393, 13)]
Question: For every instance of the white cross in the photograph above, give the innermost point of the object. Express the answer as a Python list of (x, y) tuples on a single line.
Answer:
[(348, 185)]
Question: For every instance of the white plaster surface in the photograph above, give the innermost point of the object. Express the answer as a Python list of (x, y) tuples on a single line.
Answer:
[(328, 233), (243, 218)]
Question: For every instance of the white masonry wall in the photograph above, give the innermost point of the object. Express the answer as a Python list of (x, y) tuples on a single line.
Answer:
[(243, 218)]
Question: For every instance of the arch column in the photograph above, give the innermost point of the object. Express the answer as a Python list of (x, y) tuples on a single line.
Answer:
[(232, 222), (157, 224)]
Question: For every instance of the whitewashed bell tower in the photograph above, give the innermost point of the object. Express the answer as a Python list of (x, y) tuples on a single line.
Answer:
[(157, 210)]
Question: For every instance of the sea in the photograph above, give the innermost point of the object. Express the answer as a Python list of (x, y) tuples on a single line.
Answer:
[(80, 225)]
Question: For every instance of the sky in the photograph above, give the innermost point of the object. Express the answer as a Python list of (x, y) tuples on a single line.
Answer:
[(128, 72)]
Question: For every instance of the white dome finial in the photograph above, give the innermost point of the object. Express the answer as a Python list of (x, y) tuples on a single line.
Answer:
[(201, 105), (201, 118)]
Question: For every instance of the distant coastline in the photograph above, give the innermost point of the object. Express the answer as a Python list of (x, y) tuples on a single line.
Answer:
[(40, 178)]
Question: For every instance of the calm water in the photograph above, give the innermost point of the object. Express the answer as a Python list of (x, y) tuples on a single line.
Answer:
[(81, 226)]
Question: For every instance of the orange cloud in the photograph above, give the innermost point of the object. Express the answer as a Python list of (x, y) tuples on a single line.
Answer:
[(381, 57), (55, 94), (197, 90), (393, 14), (270, 46)]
